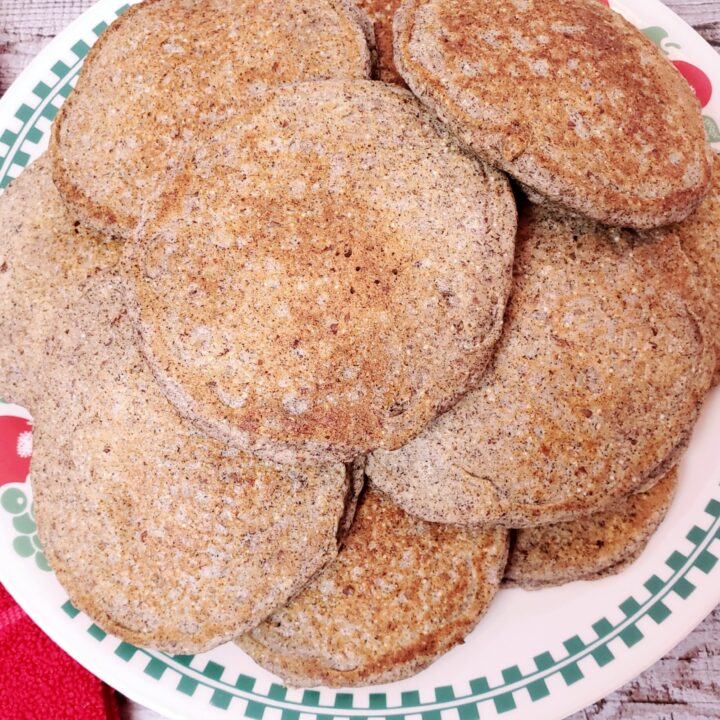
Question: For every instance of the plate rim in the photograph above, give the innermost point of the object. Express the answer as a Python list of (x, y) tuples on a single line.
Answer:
[(16, 97)]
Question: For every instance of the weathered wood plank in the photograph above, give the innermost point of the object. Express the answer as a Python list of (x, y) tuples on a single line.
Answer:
[(696, 12), (26, 26), (684, 685), (622, 710)]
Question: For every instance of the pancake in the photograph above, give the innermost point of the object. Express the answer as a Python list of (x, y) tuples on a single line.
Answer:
[(357, 293), (164, 537), (699, 238), (118, 476), (381, 13), (593, 391), (591, 547), (45, 263), (567, 97), (401, 593), (168, 68)]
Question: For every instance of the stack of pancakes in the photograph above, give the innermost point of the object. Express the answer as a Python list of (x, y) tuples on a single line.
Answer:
[(318, 362)]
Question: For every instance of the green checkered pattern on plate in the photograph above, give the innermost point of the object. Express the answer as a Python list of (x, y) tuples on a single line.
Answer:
[(503, 696), (48, 98)]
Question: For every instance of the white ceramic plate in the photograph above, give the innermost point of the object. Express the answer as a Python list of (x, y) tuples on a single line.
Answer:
[(536, 655)]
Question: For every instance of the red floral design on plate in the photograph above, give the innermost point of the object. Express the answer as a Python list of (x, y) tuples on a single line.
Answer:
[(699, 81), (15, 449)]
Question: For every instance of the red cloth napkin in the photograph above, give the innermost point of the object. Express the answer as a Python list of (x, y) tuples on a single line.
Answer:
[(38, 681)]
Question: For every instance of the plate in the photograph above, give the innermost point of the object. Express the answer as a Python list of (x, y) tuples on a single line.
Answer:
[(539, 655)]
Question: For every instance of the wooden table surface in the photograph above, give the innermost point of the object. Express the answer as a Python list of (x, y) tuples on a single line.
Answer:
[(684, 685)]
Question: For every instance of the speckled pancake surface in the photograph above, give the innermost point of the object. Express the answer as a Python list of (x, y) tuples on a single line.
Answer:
[(164, 537), (326, 273), (699, 237), (592, 393), (169, 67), (592, 546), (400, 593), (45, 262), (381, 13), (564, 95)]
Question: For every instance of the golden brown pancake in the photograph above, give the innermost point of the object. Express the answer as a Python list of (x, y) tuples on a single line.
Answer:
[(325, 274), (46, 261), (168, 68), (699, 238), (567, 97), (590, 547), (164, 537), (593, 391), (401, 593)]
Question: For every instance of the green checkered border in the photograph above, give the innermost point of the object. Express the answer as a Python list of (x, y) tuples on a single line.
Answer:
[(18, 146), (223, 691), (16, 151)]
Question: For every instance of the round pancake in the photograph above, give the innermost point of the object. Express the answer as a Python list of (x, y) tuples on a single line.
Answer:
[(564, 95), (164, 537), (45, 263), (590, 547), (699, 237), (593, 391), (401, 593), (357, 293), (166, 69), (381, 13)]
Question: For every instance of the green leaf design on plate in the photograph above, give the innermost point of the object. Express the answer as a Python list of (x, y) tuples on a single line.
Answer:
[(23, 546), (14, 501), (24, 524), (658, 36), (711, 129)]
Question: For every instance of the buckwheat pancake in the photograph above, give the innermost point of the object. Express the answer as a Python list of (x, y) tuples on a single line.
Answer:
[(164, 537), (700, 240), (564, 95), (592, 393), (324, 274), (166, 69), (381, 13), (592, 546), (45, 263), (400, 593)]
